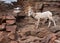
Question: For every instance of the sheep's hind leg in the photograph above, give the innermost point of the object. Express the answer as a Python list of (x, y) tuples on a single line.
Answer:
[(53, 21)]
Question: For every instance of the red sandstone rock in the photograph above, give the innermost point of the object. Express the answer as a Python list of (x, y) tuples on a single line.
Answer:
[(1, 36), (9, 22), (10, 17), (11, 28), (11, 35), (13, 42), (53, 38), (2, 26), (3, 17)]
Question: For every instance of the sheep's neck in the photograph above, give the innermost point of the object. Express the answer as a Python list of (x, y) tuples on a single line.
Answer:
[(33, 15)]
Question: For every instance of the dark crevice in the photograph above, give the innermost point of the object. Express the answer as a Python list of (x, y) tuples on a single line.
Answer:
[(4, 21), (19, 18), (56, 31), (3, 29)]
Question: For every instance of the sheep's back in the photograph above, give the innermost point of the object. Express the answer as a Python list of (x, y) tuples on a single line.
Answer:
[(47, 13), (43, 15)]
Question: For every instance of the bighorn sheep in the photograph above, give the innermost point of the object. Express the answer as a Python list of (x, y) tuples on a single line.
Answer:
[(41, 15)]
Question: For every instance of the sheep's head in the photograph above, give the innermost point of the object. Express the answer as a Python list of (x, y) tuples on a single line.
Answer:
[(30, 11)]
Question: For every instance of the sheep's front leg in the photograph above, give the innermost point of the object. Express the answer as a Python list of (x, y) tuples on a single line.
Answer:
[(37, 23), (49, 23)]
